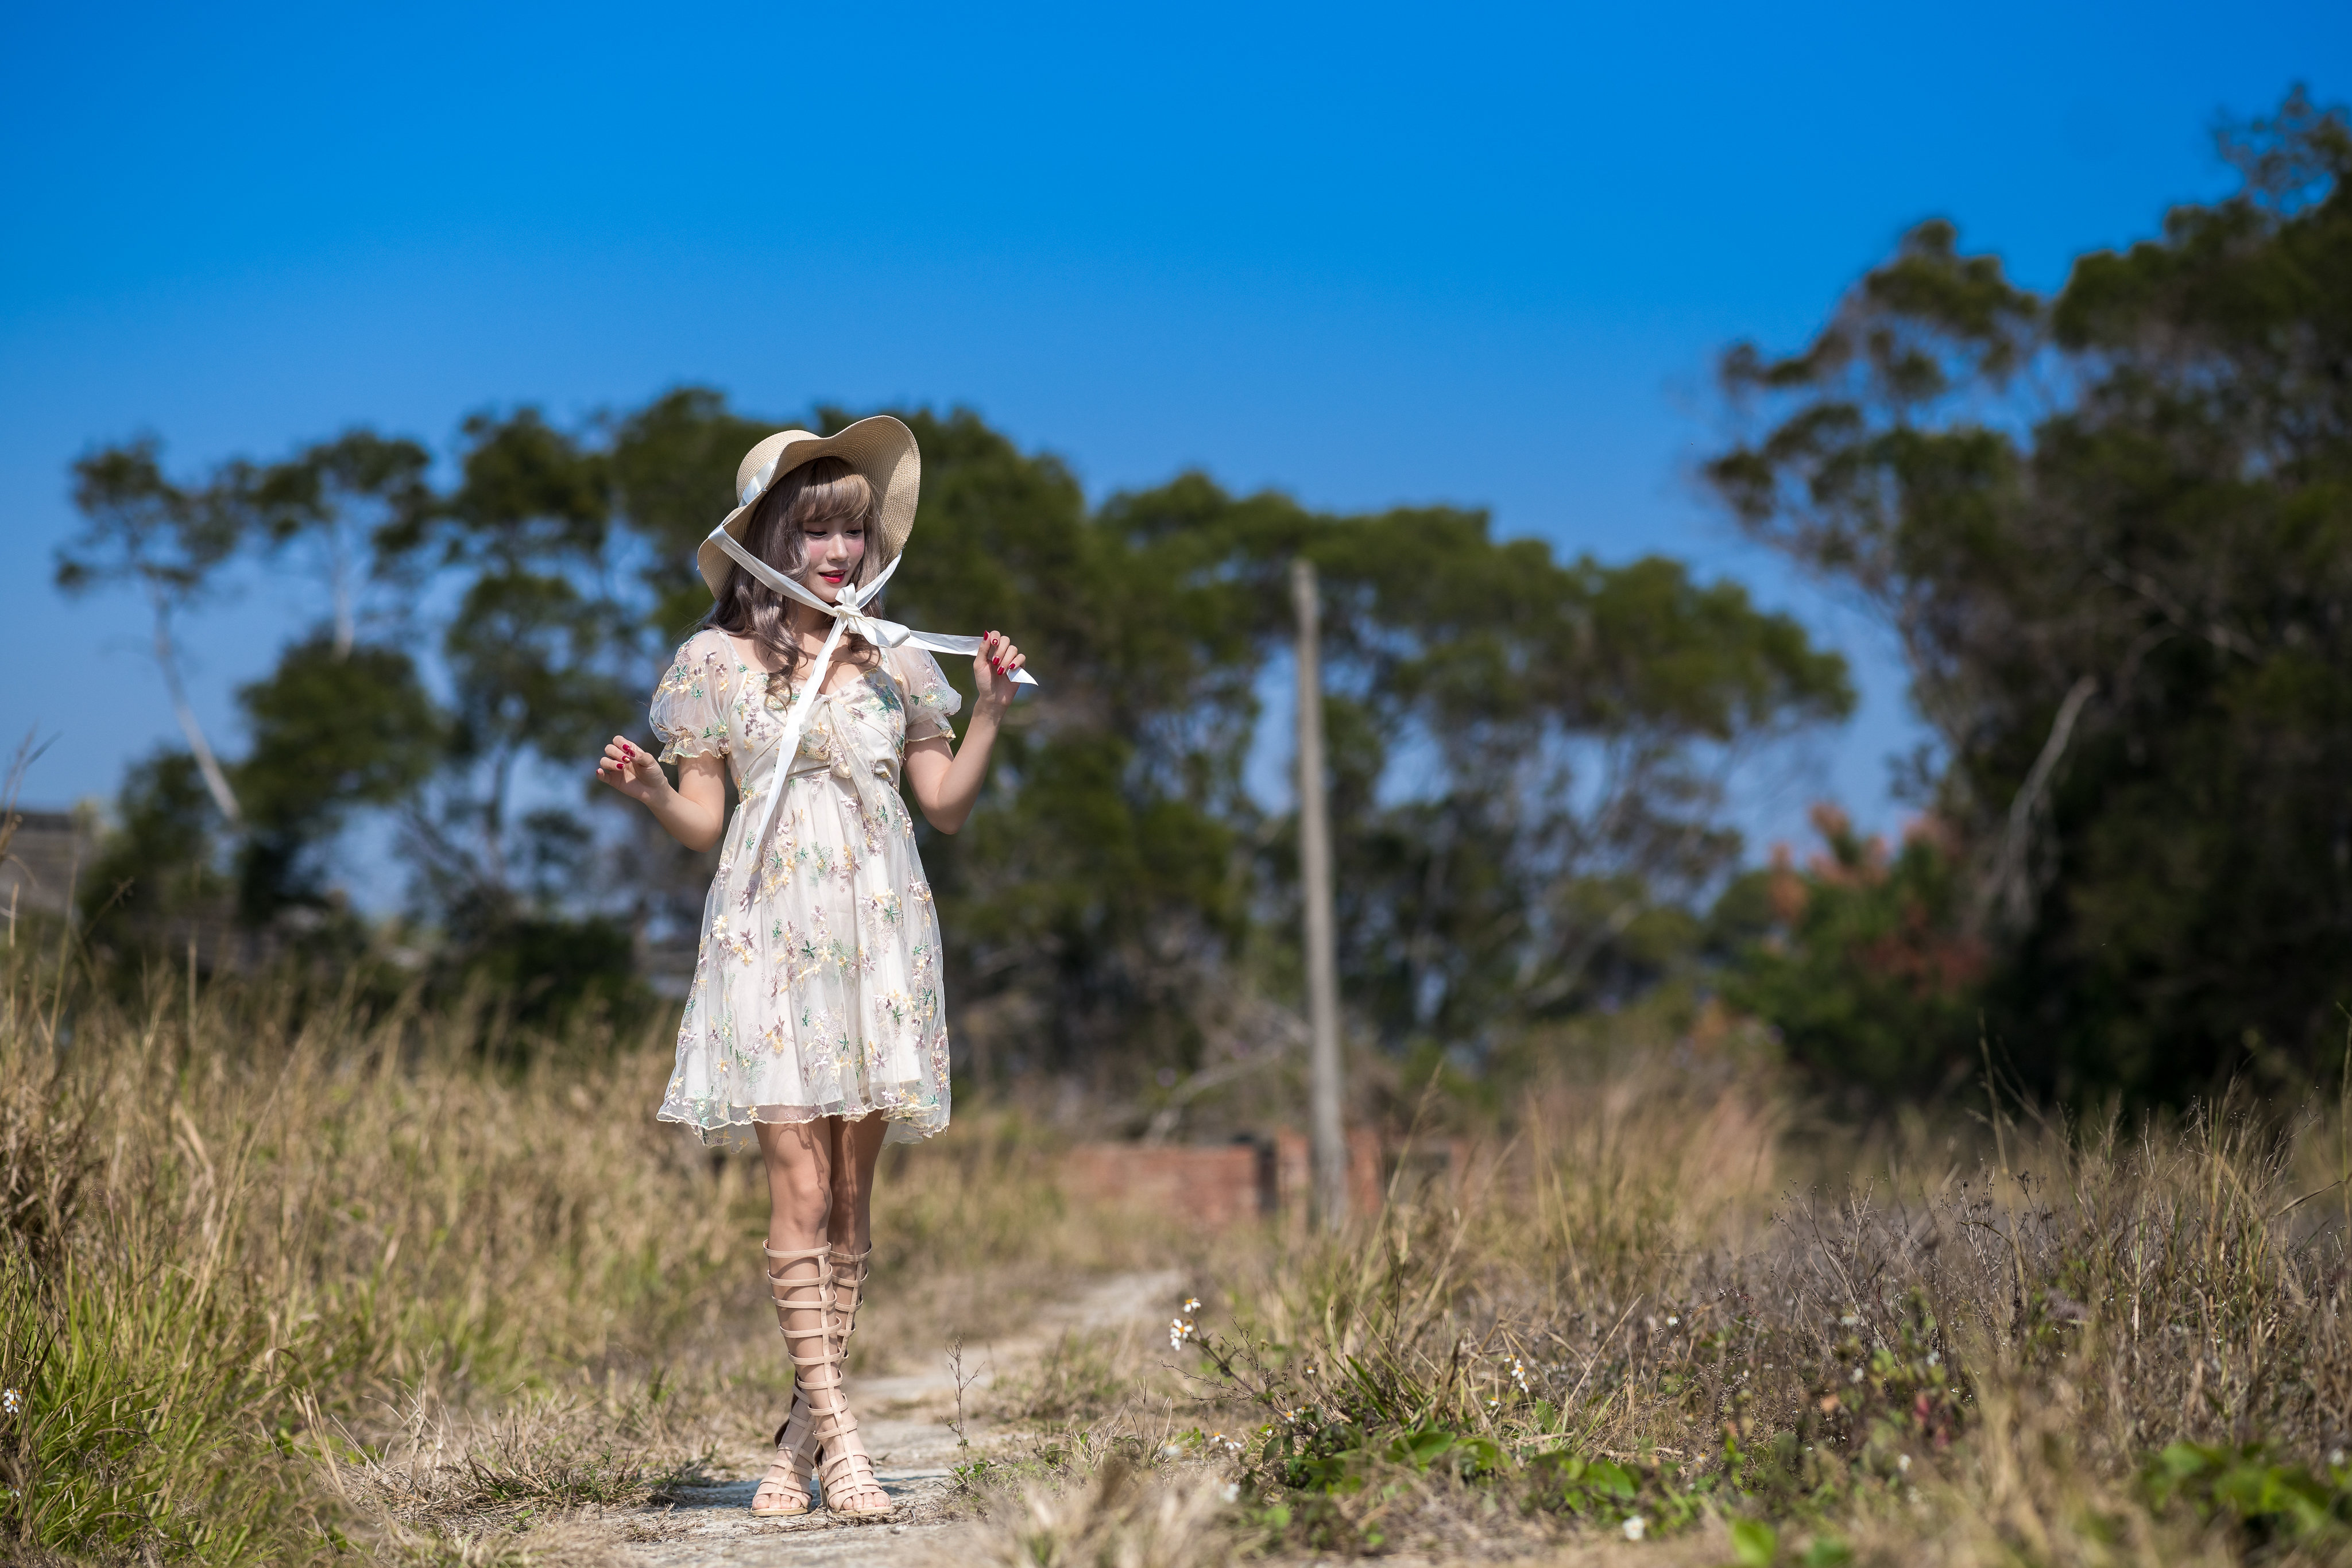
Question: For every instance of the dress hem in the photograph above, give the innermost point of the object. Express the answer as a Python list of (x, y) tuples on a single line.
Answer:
[(907, 1125)]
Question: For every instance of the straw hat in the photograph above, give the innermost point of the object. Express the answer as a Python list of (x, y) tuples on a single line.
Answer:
[(879, 447)]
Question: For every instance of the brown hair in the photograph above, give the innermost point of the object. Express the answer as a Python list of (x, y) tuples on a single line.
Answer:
[(822, 491)]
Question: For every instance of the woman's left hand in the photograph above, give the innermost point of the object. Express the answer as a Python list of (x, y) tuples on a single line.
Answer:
[(993, 668)]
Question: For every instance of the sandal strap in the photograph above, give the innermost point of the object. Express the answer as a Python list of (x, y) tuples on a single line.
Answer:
[(845, 1472), (850, 1271), (824, 1251), (791, 1467), (837, 1456), (800, 1292)]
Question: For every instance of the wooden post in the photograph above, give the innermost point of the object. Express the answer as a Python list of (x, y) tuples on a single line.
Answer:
[(1326, 1130)]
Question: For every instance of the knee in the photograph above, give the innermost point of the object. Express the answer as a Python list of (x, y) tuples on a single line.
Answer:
[(808, 1208)]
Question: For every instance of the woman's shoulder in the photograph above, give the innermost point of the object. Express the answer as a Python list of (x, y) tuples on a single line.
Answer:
[(708, 642), (706, 662)]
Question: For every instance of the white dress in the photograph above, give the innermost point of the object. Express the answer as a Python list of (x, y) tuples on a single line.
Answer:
[(816, 992)]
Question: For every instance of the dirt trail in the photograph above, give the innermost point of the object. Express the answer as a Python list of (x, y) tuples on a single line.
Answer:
[(904, 1418)]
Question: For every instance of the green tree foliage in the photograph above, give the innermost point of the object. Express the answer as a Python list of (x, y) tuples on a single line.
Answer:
[(534, 644), (1572, 729), (1529, 757), (669, 464), (1106, 895), (167, 540), (1858, 961), (154, 871), (332, 732), (1100, 888), (328, 503), (2113, 528)]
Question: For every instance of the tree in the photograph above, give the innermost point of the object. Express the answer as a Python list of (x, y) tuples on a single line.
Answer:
[(671, 462), (328, 501), (1098, 898), (1530, 756), (332, 731), (1858, 960), (141, 528), (2113, 528), (1578, 728), (156, 863), (535, 642)]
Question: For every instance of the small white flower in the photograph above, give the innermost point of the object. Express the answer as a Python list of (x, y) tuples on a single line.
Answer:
[(1858, 1374), (1636, 1528), (1902, 1463), (1934, 1357), (1231, 1491), (1191, 1303), (11, 1401), (2337, 1458), (1672, 1320)]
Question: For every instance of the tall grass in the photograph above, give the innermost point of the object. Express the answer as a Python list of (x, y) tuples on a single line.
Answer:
[(278, 1278), (2080, 1343), (279, 1281)]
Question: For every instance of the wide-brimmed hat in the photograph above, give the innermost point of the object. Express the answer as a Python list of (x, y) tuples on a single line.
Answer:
[(880, 447)]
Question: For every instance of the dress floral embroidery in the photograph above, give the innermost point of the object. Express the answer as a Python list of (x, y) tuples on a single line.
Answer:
[(817, 989)]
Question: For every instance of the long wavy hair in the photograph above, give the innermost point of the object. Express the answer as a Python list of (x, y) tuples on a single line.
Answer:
[(822, 491)]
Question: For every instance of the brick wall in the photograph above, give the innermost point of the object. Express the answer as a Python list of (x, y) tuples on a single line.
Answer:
[(1214, 1186)]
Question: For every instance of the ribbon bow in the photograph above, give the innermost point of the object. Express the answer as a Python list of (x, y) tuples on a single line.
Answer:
[(848, 614)]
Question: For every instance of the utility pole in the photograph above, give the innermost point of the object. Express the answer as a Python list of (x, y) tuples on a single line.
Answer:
[(1328, 1134)]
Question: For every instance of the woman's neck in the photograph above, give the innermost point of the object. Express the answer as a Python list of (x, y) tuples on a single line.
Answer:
[(806, 627)]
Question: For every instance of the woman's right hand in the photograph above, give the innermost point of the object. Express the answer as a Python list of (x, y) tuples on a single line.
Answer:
[(632, 771)]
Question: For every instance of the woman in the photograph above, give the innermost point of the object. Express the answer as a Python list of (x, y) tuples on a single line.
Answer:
[(815, 1023)]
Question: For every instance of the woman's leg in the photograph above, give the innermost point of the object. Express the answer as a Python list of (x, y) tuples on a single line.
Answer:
[(798, 1157), (855, 1146), (798, 1160)]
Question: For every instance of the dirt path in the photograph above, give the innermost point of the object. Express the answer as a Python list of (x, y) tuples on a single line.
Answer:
[(904, 1418)]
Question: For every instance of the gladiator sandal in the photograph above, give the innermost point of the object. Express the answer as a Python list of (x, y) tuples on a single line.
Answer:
[(785, 1490), (850, 1271), (850, 1487)]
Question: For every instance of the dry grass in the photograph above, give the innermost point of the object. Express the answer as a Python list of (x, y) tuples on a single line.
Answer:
[(280, 1283), (1118, 1517), (278, 1280), (1955, 1359)]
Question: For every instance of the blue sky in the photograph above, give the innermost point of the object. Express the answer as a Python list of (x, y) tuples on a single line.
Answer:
[(1365, 255)]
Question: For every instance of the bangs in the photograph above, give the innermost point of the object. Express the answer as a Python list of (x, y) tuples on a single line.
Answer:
[(830, 491)]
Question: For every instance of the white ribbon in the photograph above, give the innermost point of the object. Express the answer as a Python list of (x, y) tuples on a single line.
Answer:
[(848, 614)]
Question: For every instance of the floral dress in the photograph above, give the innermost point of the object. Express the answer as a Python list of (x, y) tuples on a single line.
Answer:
[(817, 989)]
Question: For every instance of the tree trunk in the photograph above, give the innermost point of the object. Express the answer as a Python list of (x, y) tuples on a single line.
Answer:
[(167, 656), (1327, 1131)]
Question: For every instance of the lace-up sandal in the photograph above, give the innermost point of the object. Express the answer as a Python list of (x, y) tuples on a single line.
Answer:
[(842, 1465), (849, 1272), (785, 1490)]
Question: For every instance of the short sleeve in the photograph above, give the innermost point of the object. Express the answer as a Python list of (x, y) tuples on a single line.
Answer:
[(929, 699), (691, 706)]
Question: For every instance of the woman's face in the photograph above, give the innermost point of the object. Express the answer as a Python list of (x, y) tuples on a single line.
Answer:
[(835, 550)]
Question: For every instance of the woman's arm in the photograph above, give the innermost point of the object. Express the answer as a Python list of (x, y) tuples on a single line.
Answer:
[(694, 814), (947, 778)]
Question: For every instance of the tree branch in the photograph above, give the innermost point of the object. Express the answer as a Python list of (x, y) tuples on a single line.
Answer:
[(2008, 881)]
